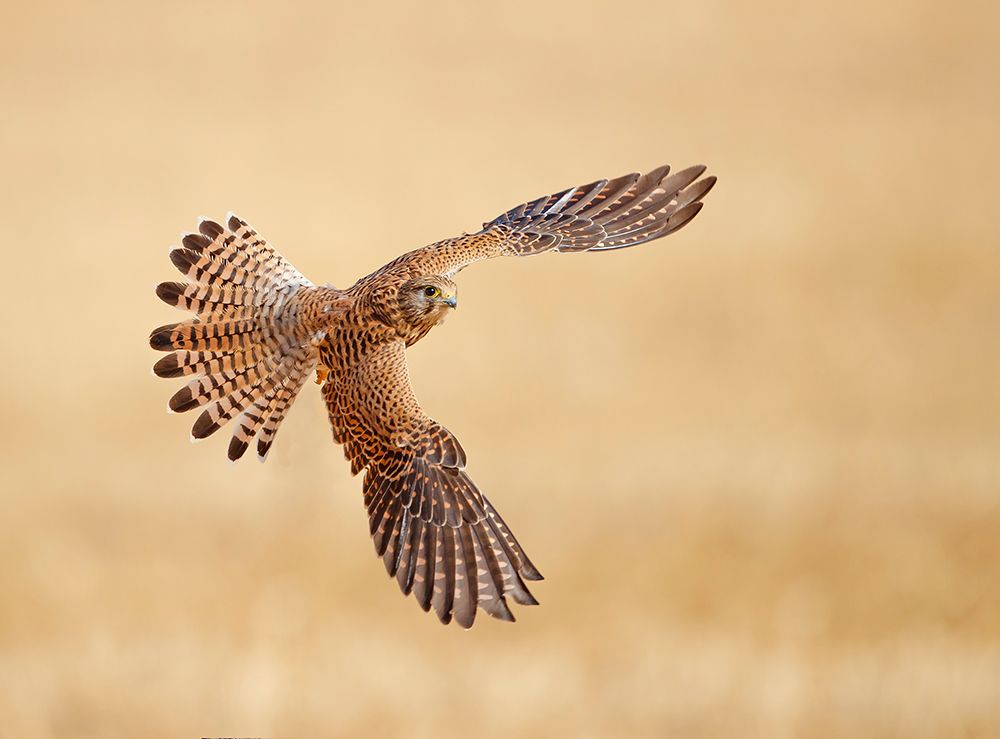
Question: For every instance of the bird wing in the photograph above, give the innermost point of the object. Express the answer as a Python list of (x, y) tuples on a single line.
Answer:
[(604, 215), (435, 531)]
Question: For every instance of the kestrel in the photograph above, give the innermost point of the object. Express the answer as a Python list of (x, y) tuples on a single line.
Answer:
[(261, 329)]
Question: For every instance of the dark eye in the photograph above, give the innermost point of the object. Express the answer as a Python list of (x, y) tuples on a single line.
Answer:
[(431, 292)]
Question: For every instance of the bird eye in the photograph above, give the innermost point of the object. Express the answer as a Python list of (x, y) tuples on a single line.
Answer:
[(431, 292)]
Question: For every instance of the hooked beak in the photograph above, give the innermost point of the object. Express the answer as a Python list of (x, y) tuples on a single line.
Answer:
[(451, 301)]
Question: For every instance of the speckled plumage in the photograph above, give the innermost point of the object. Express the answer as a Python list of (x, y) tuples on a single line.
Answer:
[(261, 329)]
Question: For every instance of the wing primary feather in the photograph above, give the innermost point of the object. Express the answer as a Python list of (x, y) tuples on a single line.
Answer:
[(466, 579), (400, 540), (490, 576), (444, 583), (408, 564), (423, 586)]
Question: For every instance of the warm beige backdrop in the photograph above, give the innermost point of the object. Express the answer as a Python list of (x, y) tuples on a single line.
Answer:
[(759, 461)]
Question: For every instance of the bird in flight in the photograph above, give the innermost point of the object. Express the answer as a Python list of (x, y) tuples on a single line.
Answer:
[(261, 329)]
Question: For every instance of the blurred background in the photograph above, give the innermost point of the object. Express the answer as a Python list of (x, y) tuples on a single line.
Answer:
[(757, 461)]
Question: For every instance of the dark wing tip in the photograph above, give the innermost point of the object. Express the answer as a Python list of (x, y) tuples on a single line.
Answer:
[(529, 572), (684, 216), (465, 620), (703, 187), (530, 600), (688, 174)]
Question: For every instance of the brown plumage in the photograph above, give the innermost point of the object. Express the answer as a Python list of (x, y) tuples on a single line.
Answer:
[(261, 329)]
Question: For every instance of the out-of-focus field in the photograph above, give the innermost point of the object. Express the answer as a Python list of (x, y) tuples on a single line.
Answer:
[(758, 461)]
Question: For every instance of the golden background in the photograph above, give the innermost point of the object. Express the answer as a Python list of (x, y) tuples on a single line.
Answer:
[(758, 461)]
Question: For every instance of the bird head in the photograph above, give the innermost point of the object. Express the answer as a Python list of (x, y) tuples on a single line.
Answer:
[(427, 299)]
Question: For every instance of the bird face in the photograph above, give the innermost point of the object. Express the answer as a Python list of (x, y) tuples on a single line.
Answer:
[(428, 299)]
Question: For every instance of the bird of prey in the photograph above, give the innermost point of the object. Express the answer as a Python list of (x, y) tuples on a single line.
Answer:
[(261, 329)]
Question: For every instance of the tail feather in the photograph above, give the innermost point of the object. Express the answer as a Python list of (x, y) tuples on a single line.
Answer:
[(182, 362), (202, 299), (252, 343), (285, 396), (251, 421), (278, 395), (223, 410), (205, 389), (209, 270), (224, 334)]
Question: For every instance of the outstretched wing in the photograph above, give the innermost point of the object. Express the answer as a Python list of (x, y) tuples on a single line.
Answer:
[(436, 533), (604, 215)]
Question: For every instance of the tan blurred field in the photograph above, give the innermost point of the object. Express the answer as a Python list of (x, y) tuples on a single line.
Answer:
[(758, 461)]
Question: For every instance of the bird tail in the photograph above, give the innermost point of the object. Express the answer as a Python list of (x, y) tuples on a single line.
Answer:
[(252, 343), (606, 214)]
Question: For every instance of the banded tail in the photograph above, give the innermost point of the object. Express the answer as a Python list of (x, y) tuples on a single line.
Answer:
[(252, 343)]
